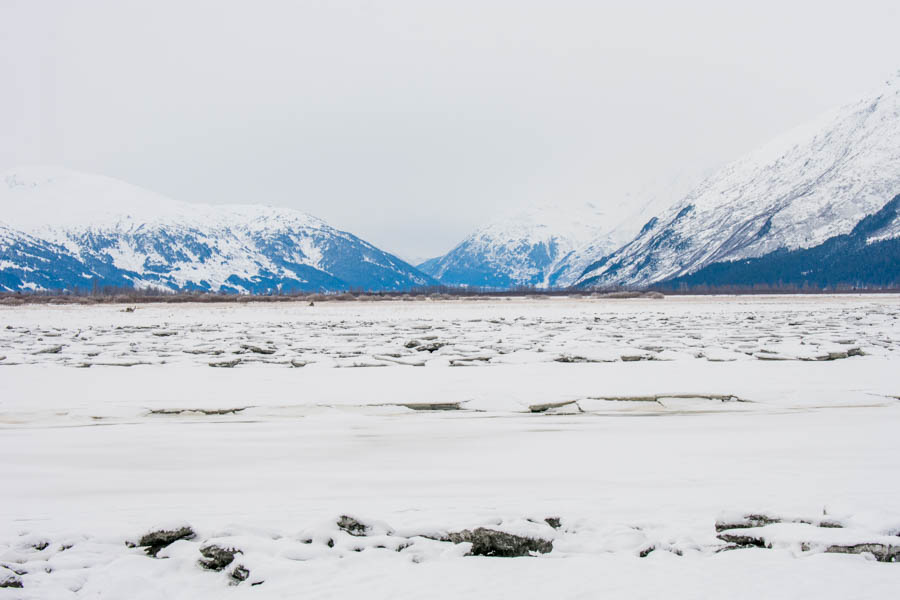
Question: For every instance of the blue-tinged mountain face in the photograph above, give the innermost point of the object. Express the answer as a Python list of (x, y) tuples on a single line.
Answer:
[(530, 249), (864, 258), (70, 230), (27, 263), (520, 263)]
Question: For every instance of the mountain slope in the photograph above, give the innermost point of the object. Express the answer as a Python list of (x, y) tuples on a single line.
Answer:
[(813, 184), (864, 258), (28, 263), (123, 235), (521, 249)]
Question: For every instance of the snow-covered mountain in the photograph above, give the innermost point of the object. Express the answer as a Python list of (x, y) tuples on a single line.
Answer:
[(550, 244), (523, 248), (64, 229), (812, 184)]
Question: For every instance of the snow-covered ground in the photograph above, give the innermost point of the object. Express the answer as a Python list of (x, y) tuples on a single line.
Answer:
[(650, 429)]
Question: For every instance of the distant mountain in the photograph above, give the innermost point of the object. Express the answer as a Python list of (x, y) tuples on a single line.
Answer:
[(521, 249), (64, 229), (549, 245), (812, 185)]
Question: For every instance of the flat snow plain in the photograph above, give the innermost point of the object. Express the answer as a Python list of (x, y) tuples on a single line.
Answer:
[(647, 427)]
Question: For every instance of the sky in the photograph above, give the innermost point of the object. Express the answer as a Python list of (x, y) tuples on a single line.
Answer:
[(412, 123)]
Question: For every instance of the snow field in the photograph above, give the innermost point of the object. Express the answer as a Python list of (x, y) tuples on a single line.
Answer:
[(651, 466)]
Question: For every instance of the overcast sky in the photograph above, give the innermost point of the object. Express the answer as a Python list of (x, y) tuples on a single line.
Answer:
[(411, 123)]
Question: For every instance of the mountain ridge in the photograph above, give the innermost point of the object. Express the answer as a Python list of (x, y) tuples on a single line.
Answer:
[(125, 235), (807, 186)]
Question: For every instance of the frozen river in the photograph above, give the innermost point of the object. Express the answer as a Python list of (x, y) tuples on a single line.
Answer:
[(687, 447)]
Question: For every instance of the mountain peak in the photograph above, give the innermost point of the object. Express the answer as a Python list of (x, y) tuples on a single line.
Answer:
[(806, 186), (108, 232)]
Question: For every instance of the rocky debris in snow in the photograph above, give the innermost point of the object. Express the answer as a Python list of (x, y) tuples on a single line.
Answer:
[(568, 358), (635, 357), (539, 408), (412, 344), (240, 573), (7, 580), (743, 541), (128, 309), (299, 363), (760, 520), (658, 397), (352, 526), (257, 349), (165, 333), (216, 558), (490, 542), (881, 552), (430, 405), (226, 364), (432, 347), (133, 363), (747, 522), (51, 350), (468, 360), (553, 522), (203, 411), (157, 540)]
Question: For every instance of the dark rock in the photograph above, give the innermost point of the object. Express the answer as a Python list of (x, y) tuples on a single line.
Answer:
[(430, 347), (202, 411), (489, 542), (882, 552), (226, 364), (747, 521), (157, 540), (412, 344), (831, 524), (539, 408), (165, 333), (743, 541), (240, 573), (553, 522), (11, 581), (41, 545), (52, 350), (759, 520), (430, 405), (567, 358), (257, 349), (216, 558), (352, 526), (646, 551), (633, 358)]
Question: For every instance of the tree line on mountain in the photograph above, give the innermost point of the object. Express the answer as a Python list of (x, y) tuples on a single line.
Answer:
[(842, 263)]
